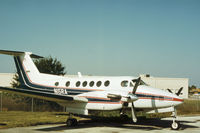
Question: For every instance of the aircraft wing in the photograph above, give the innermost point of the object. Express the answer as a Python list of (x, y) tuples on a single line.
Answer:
[(45, 95)]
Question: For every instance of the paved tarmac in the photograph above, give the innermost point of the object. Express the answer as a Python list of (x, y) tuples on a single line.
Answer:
[(188, 125)]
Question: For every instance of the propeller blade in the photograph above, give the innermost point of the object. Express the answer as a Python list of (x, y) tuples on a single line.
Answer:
[(169, 90), (134, 118), (136, 85), (179, 91)]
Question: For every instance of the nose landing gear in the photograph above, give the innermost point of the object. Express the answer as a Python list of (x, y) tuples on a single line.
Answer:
[(175, 125)]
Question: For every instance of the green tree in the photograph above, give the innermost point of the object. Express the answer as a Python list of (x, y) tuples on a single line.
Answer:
[(191, 88), (15, 83), (50, 66)]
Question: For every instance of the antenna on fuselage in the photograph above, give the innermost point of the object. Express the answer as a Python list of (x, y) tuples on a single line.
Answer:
[(79, 74)]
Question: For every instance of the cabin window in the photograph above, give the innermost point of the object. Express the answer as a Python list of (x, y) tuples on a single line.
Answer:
[(124, 83), (84, 83), (91, 84), (78, 83), (98, 84), (67, 84), (56, 83), (107, 83)]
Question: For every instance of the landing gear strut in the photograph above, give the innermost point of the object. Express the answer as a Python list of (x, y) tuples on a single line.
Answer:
[(71, 121), (175, 125)]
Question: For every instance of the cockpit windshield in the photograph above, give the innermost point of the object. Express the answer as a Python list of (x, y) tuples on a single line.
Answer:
[(131, 83)]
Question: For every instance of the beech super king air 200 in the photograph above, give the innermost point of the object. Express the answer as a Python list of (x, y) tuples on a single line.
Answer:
[(84, 94)]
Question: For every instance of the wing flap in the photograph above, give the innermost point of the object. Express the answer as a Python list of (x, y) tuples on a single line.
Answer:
[(44, 95)]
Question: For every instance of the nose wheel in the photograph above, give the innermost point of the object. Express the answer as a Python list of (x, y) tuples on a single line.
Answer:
[(175, 125)]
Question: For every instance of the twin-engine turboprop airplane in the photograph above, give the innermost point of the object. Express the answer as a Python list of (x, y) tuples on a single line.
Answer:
[(84, 94)]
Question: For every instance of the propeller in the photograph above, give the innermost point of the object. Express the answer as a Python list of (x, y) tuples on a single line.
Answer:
[(136, 85), (179, 91), (133, 112), (169, 90)]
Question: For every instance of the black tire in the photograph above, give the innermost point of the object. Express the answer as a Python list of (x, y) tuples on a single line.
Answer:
[(75, 122), (71, 122)]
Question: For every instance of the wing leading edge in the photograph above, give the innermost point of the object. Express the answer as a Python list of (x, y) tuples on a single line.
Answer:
[(44, 95)]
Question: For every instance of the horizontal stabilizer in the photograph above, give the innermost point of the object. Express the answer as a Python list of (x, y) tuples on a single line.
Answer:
[(18, 53), (14, 53)]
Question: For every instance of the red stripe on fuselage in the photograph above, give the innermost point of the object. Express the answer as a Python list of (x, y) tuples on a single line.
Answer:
[(177, 99), (105, 102)]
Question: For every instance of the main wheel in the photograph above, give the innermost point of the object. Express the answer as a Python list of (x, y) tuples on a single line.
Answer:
[(175, 125), (71, 122)]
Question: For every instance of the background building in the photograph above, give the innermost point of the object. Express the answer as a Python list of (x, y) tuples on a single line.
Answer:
[(6, 79), (174, 84)]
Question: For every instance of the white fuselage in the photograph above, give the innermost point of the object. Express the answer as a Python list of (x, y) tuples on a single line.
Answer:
[(93, 88), (148, 97)]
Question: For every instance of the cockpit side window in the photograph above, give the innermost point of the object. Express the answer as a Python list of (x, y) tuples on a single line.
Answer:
[(142, 83), (131, 84), (124, 83)]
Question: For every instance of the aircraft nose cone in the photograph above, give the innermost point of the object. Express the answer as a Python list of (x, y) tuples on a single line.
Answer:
[(177, 100)]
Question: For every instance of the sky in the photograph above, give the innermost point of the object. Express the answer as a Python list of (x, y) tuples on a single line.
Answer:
[(106, 37)]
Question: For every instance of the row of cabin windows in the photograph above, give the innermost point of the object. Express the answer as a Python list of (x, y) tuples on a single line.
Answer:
[(124, 83), (85, 83)]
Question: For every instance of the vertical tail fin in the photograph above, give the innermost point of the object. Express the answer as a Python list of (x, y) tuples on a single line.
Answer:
[(26, 68)]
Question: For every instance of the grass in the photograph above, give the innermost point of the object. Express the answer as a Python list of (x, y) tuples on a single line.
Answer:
[(21, 119), (189, 107)]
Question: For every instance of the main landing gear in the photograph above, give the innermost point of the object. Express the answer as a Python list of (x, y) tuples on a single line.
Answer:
[(175, 125), (124, 117), (71, 121)]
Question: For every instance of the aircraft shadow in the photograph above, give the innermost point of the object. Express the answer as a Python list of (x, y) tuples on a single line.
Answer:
[(144, 124)]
